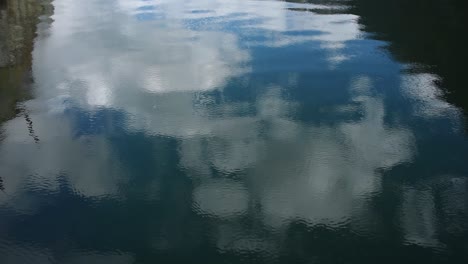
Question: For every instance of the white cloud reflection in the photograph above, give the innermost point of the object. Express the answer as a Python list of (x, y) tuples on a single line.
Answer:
[(314, 173), (427, 97), (280, 25), (85, 161), (287, 169)]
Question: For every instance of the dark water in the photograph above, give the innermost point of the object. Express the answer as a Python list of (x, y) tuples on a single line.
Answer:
[(240, 131)]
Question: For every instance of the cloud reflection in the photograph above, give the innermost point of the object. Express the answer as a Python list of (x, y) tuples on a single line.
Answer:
[(169, 78), (428, 101), (317, 174)]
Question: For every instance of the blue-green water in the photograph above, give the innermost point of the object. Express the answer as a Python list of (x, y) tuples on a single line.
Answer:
[(211, 131)]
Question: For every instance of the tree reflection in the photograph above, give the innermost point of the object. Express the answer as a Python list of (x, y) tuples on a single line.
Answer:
[(425, 34)]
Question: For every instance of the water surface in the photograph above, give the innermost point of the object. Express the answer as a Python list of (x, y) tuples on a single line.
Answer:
[(240, 131)]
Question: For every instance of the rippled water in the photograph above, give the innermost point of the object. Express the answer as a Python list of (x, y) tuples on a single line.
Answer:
[(241, 131)]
